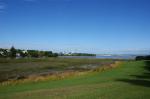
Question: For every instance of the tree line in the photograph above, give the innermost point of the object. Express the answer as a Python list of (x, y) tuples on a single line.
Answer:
[(13, 53), (143, 57)]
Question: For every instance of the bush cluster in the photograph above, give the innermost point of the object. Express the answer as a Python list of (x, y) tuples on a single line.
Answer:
[(143, 57)]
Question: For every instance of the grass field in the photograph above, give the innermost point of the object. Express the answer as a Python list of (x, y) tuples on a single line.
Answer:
[(130, 80)]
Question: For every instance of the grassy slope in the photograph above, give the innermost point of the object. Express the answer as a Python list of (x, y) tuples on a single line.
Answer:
[(125, 82)]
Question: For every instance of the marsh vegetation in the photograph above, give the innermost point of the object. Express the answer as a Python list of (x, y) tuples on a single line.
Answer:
[(14, 69)]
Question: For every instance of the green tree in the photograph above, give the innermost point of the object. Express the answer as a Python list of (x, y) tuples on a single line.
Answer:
[(33, 53), (55, 54), (13, 52), (48, 53)]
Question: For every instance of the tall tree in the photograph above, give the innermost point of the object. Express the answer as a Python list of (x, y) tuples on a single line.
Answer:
[(13, 52)]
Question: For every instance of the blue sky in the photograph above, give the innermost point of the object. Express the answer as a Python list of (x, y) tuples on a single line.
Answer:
[(94, 26)]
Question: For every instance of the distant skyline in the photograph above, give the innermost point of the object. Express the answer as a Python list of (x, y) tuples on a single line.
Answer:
[(90, 26)]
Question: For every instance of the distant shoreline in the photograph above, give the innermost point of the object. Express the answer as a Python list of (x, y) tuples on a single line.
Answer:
[(103, 56)]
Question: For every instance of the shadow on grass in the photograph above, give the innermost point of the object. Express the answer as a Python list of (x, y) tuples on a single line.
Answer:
[(140, 80)]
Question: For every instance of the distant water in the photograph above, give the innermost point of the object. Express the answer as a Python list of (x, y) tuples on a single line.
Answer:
[(117, 57), (103, 57)]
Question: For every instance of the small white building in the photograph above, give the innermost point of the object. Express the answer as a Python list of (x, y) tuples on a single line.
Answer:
[(24, 51), (1, 52)]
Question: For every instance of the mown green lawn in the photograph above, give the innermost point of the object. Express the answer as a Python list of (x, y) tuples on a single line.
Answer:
[(131, 80)]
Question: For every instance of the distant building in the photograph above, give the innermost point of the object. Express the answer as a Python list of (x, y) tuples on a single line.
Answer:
[(24, 51), (8, 50), (18, 55), (1, 53)]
